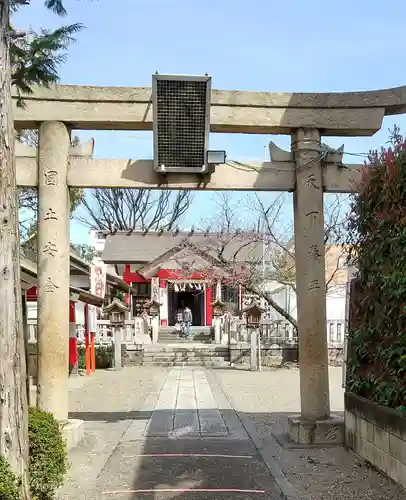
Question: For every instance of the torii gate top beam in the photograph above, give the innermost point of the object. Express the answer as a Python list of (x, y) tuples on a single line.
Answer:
[(130, 108)]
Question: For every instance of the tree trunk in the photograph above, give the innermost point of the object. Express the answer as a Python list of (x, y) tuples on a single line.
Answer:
[(13, 396)]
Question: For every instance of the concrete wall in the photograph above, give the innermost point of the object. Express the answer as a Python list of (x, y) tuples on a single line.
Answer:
[(378, 435)]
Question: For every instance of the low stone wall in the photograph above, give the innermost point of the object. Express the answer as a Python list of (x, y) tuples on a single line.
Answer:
[(241, 354), (377, 434), (132, 354)]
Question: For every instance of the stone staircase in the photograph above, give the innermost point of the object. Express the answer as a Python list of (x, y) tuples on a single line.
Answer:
[(201, 334), (186, 354)]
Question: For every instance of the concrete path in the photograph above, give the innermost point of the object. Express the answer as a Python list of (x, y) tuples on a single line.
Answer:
[(182, 439)]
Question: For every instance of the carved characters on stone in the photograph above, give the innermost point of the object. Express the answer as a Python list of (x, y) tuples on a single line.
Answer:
[(50, 249), (313, 216), (331, 434), (314, 285), (314, 252), (51, 215), (50, 286), (51, 178), (311, 181)]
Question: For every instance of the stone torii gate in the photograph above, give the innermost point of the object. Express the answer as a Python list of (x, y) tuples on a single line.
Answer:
[(308, 171)]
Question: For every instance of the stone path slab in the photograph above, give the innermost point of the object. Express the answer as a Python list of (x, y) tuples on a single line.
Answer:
[(186, 408)]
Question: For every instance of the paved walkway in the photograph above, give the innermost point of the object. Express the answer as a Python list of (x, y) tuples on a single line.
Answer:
[(205, 434), (182, 439)]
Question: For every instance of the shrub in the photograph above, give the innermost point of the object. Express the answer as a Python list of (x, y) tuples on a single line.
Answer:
[(377, 234), (48, 455), (103, 353), (9, 487)]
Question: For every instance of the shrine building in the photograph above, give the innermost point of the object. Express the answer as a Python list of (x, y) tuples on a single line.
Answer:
[(162, 265)]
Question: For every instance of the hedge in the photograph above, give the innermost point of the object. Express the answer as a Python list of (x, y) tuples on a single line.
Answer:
[(48, 455), (48, 462), (9, 486), (377, 236)]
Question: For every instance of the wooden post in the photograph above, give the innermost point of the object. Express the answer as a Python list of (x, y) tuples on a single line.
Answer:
[(73, 344), (92, 351), (87, 340)]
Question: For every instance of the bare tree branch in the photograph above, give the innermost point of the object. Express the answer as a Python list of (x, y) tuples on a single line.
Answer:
[(134, 209)]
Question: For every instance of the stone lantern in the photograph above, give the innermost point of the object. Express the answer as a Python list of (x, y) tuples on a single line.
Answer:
[(152, 307), (218, 311), (218, 307), (253, 314), (116, 312)]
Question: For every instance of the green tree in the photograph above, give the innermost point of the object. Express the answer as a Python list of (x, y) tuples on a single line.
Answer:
[(24, 60)]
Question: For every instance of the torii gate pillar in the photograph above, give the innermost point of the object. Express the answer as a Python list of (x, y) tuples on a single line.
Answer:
[(315, 424), (53, 269)]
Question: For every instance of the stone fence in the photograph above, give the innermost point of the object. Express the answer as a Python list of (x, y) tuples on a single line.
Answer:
[(279, 342), (132, 332), (377, 434)]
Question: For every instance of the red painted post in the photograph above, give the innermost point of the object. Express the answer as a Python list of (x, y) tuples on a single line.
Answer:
[(209, 307), (87, 340), (73, 348)]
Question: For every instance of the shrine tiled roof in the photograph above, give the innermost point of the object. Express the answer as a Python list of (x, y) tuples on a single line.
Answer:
[(141, 247)]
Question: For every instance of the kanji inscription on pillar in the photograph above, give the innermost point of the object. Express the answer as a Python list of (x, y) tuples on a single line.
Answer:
[(50, 249), (50, 286), (313, 216), (314, 285), (51, 178), (314, 252), (311, 181), (50, 215)]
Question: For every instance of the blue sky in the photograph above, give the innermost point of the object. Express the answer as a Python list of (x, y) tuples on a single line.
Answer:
[(259, 45)]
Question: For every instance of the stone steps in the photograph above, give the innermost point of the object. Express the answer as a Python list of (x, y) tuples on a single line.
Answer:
[(167, 335), (174, 339), (200, 362), (190, 355)]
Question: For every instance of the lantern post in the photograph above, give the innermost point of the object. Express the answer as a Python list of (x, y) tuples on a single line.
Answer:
[(153, 310), (116, 312), (253, 313)]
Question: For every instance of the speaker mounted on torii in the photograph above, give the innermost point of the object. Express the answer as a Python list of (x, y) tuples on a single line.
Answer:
[(181, 125)]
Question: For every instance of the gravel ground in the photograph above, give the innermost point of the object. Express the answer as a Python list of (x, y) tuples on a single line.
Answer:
[(268, 397), (108, 402), (115, 391)]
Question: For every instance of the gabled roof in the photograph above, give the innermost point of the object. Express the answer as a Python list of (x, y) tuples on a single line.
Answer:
[(115, 305), (141, 247)]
